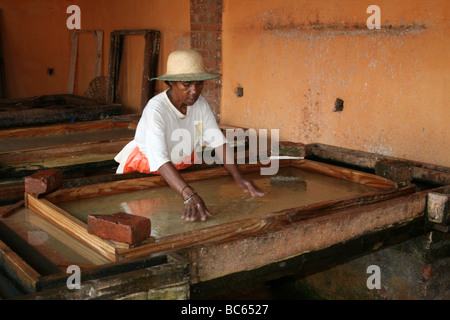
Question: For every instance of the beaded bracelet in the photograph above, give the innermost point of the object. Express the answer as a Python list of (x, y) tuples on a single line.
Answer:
[(190, 197)]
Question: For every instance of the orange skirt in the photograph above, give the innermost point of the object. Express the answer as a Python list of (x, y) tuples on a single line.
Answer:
[(138, 162)]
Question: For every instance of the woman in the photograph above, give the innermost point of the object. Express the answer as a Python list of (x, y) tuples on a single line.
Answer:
[(172, 125)]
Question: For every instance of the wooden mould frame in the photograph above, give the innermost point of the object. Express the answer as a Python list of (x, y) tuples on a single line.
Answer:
[(151, 55), (98, 39), (47, 207)]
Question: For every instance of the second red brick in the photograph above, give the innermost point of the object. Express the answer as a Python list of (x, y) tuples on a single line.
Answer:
[(120, 226)]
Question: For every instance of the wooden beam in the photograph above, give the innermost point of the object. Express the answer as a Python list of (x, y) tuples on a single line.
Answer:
[(424, 172)]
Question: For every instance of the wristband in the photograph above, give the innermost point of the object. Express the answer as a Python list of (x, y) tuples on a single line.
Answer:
[(186, 186), (190, 197)]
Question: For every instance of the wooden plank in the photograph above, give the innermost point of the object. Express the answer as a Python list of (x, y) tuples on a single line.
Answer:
[(344, 173), (109, 269), (145, 87), (17, 268), (310, 211), (70, 224), (166, 281), (2, 65), (431, 176), (11, 192), (73, 61), (115, 49), (98, 38), (6, 211), (116, 187), (191, 238), (8, 289), (152, 39), (108, 188)]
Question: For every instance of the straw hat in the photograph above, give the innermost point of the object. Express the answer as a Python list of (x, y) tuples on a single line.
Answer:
[(186, 65)]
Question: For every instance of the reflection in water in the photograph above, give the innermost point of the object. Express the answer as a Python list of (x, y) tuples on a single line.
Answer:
[(290, 188)]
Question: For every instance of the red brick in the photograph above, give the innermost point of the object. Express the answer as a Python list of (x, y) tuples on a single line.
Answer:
[(43, 181), (120, 226), (211, 27), (196, 27)]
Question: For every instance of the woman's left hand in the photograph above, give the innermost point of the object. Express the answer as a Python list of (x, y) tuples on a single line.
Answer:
[(248, 186)]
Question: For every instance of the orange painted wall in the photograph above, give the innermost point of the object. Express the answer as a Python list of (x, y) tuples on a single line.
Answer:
[(33, 40), (294, 58), (35, 37)]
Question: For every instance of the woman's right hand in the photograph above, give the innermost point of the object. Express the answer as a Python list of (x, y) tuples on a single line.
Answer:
[(195, 207)]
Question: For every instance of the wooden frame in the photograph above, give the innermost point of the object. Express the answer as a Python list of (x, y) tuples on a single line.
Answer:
[(98, 39), (47, 207), (17, 268), (101, 146), (51, 109), (151, 54), (2, 64), (161, 277)]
